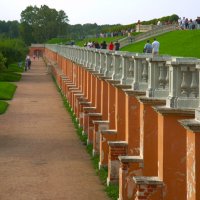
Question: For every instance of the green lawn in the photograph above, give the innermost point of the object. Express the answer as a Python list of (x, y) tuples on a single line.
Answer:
[(7, 90), (177, 43), (3, 106)]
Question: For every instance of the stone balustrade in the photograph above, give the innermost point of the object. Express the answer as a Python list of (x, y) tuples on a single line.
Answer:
[(183, 83), (152, 31), (173, 78)]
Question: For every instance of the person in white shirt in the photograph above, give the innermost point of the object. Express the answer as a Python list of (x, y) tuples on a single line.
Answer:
[(155, 47)]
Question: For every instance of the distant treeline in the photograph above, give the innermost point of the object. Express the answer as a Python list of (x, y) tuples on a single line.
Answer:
[(38, 25)]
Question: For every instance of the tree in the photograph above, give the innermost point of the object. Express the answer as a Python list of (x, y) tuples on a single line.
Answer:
[(13, 50), (9, 29), (41, 24), (174, 18)]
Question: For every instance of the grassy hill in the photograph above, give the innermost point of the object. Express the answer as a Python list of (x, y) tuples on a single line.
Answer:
[(177, 43)]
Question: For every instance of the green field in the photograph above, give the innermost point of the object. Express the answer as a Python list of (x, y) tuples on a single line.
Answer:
[(177, 43)]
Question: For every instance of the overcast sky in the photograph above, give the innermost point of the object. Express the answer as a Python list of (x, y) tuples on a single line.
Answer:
[(105, 11)]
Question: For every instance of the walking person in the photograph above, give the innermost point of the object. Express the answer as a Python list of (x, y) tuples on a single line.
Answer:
[(147, 47), (27, 63), (155, 47)]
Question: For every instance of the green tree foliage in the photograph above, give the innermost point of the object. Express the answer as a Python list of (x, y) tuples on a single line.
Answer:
[(13, 50), (40, 24), (9, 29), (165, 19)]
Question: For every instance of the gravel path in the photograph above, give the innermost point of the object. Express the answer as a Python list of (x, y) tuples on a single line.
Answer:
[(41, 157)]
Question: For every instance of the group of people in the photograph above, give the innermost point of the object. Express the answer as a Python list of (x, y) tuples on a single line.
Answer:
[(190, 24), (152, 48), (112, 46), (115, 33)]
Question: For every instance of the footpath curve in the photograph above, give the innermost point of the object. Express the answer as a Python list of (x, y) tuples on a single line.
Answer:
[(41, 157)]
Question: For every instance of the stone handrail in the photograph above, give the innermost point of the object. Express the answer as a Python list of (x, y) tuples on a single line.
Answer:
[(154, 32), (38, 45), (175, 79)]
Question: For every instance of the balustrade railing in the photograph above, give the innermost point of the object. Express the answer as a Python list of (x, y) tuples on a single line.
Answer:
[(175, 79), (158, 82), (157, 30), (183, 83)]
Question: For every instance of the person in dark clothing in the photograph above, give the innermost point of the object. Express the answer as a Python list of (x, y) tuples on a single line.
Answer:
[(103, 45), (96, 45), (147, 47), (117, 46)]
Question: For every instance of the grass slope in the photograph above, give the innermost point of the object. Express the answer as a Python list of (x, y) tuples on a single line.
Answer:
[(7, 90), (177, 43)]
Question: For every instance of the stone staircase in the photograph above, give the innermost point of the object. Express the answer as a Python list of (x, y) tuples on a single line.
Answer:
[(159, 30)]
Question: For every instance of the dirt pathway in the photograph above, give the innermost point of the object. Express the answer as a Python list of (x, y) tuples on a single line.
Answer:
[(41, 158)]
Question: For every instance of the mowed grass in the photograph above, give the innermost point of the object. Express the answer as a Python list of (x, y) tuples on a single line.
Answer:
[(184, 43), (7, 90), (3, 107)]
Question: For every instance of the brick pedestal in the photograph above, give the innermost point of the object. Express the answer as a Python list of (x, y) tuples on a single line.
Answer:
[(116, 149)]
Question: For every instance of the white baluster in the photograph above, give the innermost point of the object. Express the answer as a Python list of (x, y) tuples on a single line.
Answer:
[(144, 71), (184, 85), (194, 85), (161, 79)]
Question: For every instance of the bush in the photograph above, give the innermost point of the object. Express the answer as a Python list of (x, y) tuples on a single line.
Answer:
[(2, 61), (14, 50), (3, 106)]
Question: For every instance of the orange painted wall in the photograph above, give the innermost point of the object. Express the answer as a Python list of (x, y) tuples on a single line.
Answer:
[(172, 155), (149, 132), (133, 124), (111, 105), (104, 100), (120, 113)]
